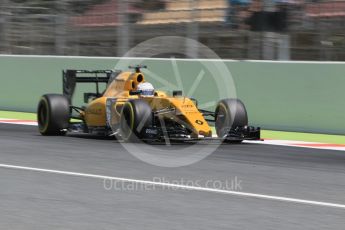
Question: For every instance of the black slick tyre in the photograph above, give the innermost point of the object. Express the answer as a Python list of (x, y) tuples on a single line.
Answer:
[(53, 114), (230, 113), (136, 115)]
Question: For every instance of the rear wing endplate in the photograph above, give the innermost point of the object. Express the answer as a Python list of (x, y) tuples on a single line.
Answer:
[(71, 77)]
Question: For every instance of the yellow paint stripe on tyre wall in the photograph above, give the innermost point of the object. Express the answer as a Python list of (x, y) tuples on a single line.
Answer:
[(45, 127)]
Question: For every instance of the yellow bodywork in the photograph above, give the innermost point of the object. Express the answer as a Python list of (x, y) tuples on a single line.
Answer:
[(186, 112)]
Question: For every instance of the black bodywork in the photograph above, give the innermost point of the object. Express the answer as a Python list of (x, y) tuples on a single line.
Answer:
[(71, 77)]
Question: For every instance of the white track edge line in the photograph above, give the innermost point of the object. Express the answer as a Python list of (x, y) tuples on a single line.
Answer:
[(192, 188)]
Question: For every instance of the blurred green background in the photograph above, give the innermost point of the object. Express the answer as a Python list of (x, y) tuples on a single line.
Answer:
[(291, 96)]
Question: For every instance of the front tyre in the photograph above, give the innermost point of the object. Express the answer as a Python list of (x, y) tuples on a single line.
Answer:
[(230, 113), (136, 116), (53, 114)]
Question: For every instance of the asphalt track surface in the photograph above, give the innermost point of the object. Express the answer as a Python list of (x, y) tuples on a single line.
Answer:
[(40, 200)]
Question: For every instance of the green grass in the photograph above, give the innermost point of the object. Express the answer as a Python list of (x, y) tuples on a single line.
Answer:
[(312, 137), (269, 134), (18, 115)]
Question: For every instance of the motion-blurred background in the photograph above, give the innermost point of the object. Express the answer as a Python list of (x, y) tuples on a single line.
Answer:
[(234, 29)]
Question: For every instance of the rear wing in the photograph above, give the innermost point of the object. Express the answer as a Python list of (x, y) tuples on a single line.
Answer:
[(71, 77)]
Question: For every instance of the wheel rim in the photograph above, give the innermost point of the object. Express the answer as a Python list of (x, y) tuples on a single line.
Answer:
[(221, 120), (125, 124), (42, 117)]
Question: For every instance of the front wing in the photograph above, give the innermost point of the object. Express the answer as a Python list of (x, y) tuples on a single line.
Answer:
[(233, 135)]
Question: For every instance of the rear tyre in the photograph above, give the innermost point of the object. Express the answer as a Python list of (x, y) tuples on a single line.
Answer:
[(136, 116), (230, 113), (53, 114)]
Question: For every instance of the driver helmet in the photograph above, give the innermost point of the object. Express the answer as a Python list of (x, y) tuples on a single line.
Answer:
[(146, 89)]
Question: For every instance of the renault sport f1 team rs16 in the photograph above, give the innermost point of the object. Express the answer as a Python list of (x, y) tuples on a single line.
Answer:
[(130, 109)]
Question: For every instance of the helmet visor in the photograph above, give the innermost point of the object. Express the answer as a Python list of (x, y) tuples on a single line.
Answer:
[(147, 92)]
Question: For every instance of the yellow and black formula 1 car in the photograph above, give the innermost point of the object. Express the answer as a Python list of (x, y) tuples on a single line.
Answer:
[(130, 109)]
